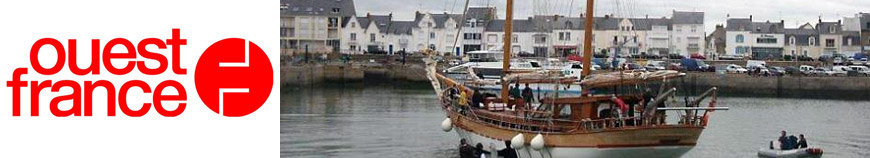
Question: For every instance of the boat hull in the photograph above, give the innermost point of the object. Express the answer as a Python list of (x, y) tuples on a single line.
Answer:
[(580, 152), (658, 141)]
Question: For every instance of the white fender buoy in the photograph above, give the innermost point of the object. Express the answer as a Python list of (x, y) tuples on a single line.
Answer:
[(447, 125), (538, 142), (518, 141)]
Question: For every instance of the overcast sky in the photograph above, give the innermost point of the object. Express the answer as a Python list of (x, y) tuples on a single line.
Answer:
[(794, 12)]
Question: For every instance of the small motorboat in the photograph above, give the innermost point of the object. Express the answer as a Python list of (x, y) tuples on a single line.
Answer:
[(794, 153)]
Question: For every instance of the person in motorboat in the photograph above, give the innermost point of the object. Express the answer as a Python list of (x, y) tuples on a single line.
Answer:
[(789, 146), (478, 150), (803, 142), (465, 150), (783, 142), (508, 151)]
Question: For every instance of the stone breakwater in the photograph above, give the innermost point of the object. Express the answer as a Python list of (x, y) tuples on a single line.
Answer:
[(307, 74)]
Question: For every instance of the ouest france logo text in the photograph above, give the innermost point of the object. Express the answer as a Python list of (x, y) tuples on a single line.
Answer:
[(233, 77)]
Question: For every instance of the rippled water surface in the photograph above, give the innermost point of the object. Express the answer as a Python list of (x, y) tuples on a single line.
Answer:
[(403, 120)]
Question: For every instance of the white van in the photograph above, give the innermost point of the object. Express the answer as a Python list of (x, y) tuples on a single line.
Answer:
[(806, 69)]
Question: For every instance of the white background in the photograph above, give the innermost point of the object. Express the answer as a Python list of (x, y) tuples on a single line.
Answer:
[(197, 132)]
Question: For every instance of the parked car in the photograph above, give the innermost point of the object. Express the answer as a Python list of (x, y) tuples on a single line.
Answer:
[(862, 70), (696, 65), (791, 70), (735, 69), (807, 70), (777, 71), (841, 70), (634, 66), (698, 56), (655, 65), (730, 57), (823, 71), (675, 56)]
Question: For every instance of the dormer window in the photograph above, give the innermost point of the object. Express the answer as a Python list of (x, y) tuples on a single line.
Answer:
[(791, 40), (832, 29), (812, 41), (336, 10)]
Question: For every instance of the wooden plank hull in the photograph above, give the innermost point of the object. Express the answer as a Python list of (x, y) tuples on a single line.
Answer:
[(660, 141)]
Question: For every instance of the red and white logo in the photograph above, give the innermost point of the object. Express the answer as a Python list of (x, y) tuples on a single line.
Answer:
[(233, 77)]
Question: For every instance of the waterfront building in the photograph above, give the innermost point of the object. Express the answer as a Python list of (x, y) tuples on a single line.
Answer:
[(758, 40), (716, 42), (313, 25)]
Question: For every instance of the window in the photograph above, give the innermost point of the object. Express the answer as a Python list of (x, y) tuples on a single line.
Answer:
[(739, 39), (829, 42), (515, 39), (333, 22), (429, 24), (336, 10), (791, 41), (694, 29), (492, 38), (832, 29), (812, 41), (568, 24), (564, 36), (679, 28), (431, 35), (849, 42), (372, 37), (540, 39), (740, 50), (472, 36), (353, 36), (352, 47)]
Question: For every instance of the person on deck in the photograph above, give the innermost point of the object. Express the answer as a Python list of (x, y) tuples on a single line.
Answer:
[(802, 143), (527, 95), (515, 91), (476, 99), (465, 150), (507, 152), (462, 98)]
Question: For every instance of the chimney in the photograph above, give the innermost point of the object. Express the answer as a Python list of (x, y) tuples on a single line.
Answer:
[(582, 15), (368, 15), (391, 16), (839, 22), (750, 18), (647, 16), (782, 22)]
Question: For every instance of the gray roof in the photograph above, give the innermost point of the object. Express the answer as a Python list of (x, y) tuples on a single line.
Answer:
[(688, 17), (518, 26), (481, 13), (739, 24), (547, 23), (646, 24), (824, 27), (345, 8), (865, 21), (801, 35), (401, 27)]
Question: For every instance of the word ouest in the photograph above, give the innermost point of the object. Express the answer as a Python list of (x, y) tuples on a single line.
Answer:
[(103, 55)]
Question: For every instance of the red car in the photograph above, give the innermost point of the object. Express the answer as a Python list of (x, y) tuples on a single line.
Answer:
[(698, 56)]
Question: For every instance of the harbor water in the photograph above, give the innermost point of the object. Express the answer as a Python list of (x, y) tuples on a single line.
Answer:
[(402, 120)]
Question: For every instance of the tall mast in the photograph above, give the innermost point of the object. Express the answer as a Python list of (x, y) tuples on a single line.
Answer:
[(587, 42), (508, 36)]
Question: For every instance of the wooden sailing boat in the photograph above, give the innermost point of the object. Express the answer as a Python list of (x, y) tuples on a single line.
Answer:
[(618, 121)]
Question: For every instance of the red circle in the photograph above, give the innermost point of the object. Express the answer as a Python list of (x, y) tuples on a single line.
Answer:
[(222, 68)]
